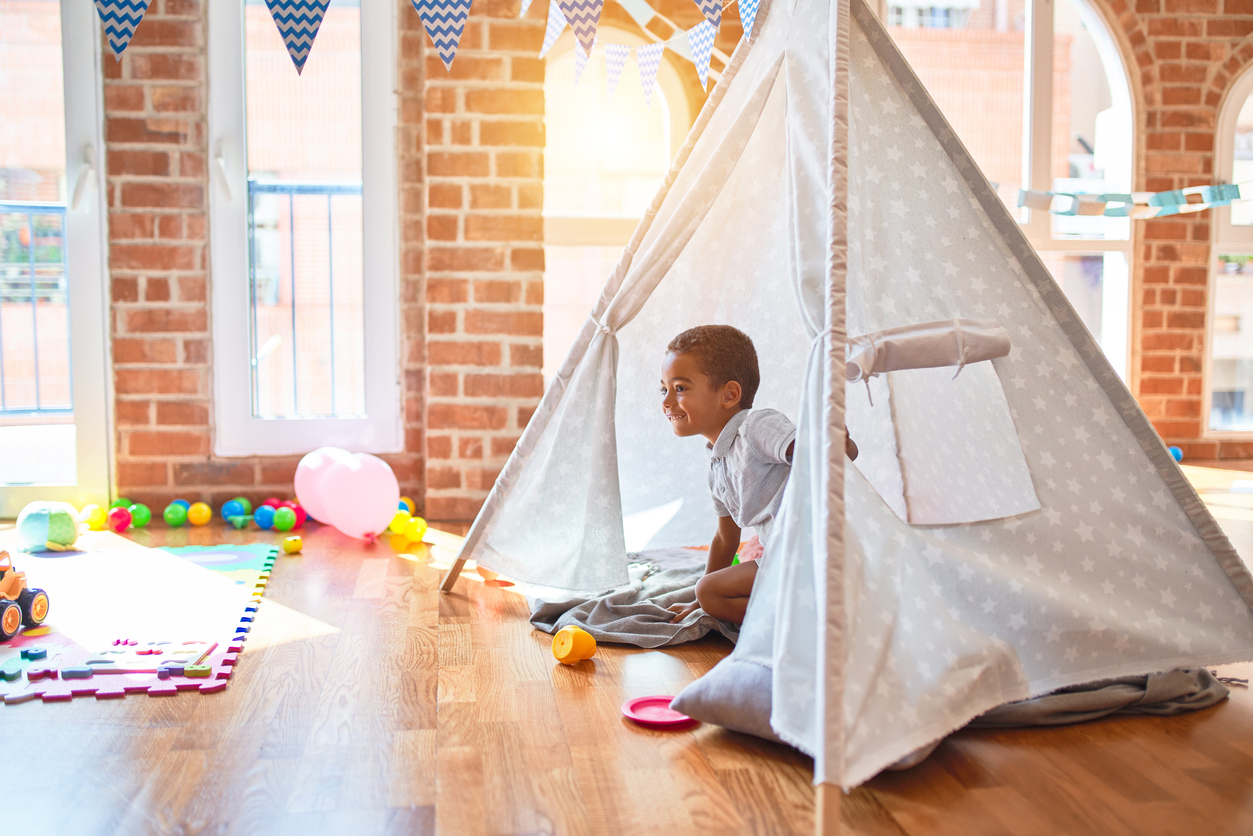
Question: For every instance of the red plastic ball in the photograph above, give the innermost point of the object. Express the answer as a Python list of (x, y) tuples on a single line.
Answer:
[(119, 519), (300, 513), (273, 502)]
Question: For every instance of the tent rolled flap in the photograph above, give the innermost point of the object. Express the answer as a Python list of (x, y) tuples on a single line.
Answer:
[(928, 345)]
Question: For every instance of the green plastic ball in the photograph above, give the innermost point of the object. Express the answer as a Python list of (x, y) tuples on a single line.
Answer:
[(284, 519), (121, 502), (243, 500), (175, 515), (141, 515)]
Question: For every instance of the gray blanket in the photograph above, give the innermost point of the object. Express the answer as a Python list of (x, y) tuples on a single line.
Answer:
[(636, 613)]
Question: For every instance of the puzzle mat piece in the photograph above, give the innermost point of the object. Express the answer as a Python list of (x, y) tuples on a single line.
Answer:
[(195, 592)]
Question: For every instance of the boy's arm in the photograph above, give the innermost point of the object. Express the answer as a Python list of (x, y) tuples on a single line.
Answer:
[(724, 546)]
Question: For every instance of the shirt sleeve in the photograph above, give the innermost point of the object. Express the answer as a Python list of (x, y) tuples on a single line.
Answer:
[(769, 433)]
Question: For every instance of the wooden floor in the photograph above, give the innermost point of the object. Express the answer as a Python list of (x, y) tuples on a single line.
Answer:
[(366, 703)]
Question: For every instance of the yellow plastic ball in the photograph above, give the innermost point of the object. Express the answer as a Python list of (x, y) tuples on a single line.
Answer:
[(409, 505), (292, 545), (399, 543), (399, 521), (94, 516), (199, 513), (415, 529)]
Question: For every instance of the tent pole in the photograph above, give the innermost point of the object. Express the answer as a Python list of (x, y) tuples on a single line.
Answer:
[(453, 574), (827, 809)]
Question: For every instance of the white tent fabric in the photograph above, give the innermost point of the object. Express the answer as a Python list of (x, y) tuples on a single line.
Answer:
[(819, 162)]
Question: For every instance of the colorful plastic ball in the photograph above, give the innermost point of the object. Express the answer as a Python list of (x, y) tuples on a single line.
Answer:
[(284, 519), (141, 514), (273, 501), (175, 515), (292, 545), (300, 513), (399, 521), (406, 504), (415, 529), (121, 502), (232, 508), (264, 516), (119, 519), (183, 503), (94, 516), (399, 543), (48, 526), (199, 514), (243, 500), (1176, 454)]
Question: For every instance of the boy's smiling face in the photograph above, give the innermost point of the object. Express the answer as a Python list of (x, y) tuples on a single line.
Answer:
[(691, 402)]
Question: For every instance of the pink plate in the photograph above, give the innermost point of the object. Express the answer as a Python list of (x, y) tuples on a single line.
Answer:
[(655, 712)]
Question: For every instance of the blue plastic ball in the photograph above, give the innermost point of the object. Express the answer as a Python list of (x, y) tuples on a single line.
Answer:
[(232, 509), (1176, 454), (263, 516), (186, 505)]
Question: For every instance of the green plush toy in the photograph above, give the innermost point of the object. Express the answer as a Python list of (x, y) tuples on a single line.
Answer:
[(48, 526)]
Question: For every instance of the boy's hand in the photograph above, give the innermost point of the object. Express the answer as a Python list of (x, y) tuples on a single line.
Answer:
[(682, 611)]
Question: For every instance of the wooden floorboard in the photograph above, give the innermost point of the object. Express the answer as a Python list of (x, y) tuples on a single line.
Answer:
[(369, 703)]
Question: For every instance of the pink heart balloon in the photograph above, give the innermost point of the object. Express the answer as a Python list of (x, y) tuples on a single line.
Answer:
[(360, 494), (310, 478)]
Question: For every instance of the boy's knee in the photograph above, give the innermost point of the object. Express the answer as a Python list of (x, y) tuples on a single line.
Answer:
[(706, 594)]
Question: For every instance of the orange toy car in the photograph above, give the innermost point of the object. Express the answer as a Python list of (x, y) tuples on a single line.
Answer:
[(18, 605)]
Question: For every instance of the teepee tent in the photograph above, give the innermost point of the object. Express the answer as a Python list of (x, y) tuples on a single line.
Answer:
[(1014, 530)]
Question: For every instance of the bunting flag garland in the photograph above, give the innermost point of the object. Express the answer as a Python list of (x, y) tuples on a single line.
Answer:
[(615, 61), (556, 25), (580, 62), (444, 21), (701, 37), (1136, 205), (712, 10), (526, 6), (120, 17), (649, 60), (748, 14), (584, 17), (298, 22)]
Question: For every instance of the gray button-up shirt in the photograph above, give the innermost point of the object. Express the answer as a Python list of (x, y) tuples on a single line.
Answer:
[(749, 465)]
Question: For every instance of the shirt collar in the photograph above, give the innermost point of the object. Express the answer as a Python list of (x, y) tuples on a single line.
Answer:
[(722, 446)]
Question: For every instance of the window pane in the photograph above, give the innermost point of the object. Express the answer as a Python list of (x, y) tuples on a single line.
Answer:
[(1231, 346), (971, 59), (35, 398), (1242, 171), (1091, 119), (305, 230), (602, 156), (573, 280), (1097, 286)]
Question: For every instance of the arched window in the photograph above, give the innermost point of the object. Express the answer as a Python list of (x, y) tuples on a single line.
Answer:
[(1229, 350), (604, 160), (1039, 94)]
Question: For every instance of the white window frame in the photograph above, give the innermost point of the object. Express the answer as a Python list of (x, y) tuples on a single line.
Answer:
[(86, 256), (237, 432), (1226, 239)]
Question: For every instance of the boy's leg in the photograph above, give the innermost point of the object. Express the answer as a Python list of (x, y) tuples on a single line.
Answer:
[(724, 594)]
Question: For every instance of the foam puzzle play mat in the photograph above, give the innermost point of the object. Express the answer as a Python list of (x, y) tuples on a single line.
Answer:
[(136, 620)]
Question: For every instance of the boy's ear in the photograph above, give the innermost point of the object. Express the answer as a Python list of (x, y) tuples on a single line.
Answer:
[(732, 393)]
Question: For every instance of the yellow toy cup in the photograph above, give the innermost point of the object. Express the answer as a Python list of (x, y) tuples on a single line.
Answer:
[(572, 645)]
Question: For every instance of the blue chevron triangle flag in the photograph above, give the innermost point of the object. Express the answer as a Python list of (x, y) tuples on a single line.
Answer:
[(556, 25), (748, 14), (444, 20), (584, 17), (298, 22), (120, 17), (648, 59), (712, 10), (615, 61), (701, 38)]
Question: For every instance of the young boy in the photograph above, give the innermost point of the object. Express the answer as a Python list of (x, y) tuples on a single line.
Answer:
[(708, 381)]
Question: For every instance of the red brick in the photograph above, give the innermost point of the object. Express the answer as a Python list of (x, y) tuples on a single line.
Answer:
[(156, 30), (120, 98), (441, 322), (452, 508), (156, 381), (519, 165), (141, 163), (156, 290), (1191, 275), (125, 290), (1151, 319), (1159, 230), (196, 351), (470, 448), (144, 351), (516, 37), (512, 134), (517, 323), (527, 259), (443, 477), (483, 259), (503, 446), (170, 227), (467, 68), (142, 474), (173, 443), (526, 69), (150, 320), (441, 227), (165, 66), (182, 413), (133, 413), (466, 417), (170, 99), (442, 353), (535, 293), (482, 479), (1161, 385), (146, 130), (124, 226), (152, 257), (1157, 363), (279, 472), (191, 289), (444, 196), (463, 164), (504, 228), (526, 356), (438, 447), (497, 291), (448, 291), (214, 473), (444, 384), (1185, 319), (504, 385), (163, 195), (1167, 342), (491, 197)]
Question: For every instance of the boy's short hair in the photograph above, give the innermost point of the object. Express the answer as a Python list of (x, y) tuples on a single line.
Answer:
[(724, 354)]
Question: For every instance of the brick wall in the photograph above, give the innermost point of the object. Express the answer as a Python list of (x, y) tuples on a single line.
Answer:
[(155, 138), (1183, 56)]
